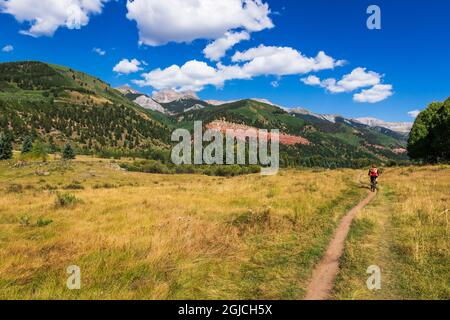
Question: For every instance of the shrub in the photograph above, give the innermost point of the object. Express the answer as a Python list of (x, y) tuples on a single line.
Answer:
[(152, 166), (66, 200), (43, 222), (105, 186), (68, 152), (74, 186), (39, 151)]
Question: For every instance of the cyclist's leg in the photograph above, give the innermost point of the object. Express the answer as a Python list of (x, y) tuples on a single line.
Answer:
[(373, 183)]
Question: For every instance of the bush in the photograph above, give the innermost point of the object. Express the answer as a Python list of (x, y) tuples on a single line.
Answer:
[(66, 200), (152, 166), (68, 152), (43, 222), (74, 186), (39, 151), (105, 186)]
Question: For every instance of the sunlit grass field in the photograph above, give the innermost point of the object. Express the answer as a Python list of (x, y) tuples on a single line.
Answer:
[(143, 236), (406, 232)]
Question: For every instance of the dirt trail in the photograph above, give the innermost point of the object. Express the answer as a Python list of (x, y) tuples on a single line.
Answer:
[(325, 272)]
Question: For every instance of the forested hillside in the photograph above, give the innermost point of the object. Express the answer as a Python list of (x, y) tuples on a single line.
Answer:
[(339, 144), (58, 104)]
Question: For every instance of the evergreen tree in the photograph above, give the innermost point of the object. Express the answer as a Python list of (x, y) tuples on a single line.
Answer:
[(68, 152), (40, 151), (27, 145), (5, 147)]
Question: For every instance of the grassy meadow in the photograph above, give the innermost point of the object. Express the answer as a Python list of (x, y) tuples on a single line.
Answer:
[(406, 232), (146, 236)]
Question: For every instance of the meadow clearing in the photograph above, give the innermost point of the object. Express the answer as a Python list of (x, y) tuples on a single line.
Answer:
[(145, 236)]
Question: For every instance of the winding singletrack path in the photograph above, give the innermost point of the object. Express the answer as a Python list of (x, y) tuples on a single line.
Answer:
[(325, 272)]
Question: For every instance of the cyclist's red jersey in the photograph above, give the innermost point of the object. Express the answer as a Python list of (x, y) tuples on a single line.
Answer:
[(374, 172)]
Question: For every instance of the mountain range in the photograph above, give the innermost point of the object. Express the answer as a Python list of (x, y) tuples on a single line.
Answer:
[(58, 104), (163, 100), (403, 127)]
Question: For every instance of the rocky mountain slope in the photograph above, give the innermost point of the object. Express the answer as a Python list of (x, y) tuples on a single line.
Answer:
[(402, 127), (168, 96), (168, 102)]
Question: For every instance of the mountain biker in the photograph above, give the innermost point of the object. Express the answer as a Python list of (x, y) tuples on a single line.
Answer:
[(374, 174)]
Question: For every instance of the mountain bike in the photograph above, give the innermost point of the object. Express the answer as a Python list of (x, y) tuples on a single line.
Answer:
[(374, 185)]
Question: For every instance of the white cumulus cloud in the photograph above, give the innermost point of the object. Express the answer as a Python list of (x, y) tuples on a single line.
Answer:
[(282, 61), (8, 48), (312, 81), (358, 78), (193, 75), (128, 66), (375, 94), (414, 113), (46, 16), (270, 61), (218, 48), (160, 22)]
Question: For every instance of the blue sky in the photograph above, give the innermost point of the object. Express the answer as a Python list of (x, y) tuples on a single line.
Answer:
[(410, 53)]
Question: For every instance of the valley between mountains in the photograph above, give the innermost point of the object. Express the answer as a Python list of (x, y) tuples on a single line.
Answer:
[(219, 232)]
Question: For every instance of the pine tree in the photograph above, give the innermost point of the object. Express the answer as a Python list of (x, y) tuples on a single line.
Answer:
[(27, 145), (68, 152), (40, 151), (5, 147)]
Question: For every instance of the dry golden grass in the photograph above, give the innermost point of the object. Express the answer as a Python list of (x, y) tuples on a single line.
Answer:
[(405, 232), (141, 236)]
